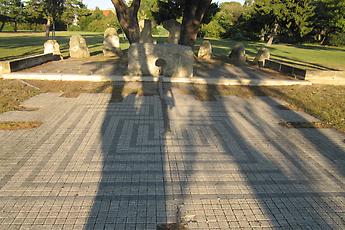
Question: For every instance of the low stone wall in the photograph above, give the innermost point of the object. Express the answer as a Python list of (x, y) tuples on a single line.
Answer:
[(313, 76), (26, 62), (286, 69)]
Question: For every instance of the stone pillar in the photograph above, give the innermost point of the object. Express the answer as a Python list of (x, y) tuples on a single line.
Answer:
[(262, 55), (111, 43), (52, 46), (78, 47), (205, 50), (238, 54)]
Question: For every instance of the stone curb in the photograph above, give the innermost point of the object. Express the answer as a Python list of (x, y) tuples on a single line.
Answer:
[(126, 78)]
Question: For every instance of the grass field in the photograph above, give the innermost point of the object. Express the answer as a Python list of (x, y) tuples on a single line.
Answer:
[(308, 56), (14, 45)]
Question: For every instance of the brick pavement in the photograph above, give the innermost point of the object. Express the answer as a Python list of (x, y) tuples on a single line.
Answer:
[(135, 164)]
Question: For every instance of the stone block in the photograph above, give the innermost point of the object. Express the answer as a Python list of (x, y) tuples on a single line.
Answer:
[(111, 43), (238, 54), (52, 46), (205, 50), (26, 62), (262, 55), (145, 59), (78, 47)]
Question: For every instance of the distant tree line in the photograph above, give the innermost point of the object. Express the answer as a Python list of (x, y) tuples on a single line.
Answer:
[(271, 21), (280, 20)]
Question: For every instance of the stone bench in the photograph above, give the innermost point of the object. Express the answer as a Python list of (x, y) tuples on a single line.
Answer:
[(9, 66)]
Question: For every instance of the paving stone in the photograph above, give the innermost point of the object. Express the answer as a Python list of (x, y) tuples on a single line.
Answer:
[(95, 164)]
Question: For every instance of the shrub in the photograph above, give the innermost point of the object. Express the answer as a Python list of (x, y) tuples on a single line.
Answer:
[(213, 29), (73, 28), (159, 30), (337, 39)]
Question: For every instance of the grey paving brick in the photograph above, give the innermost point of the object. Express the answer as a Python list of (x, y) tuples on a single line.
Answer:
[(95, 164)]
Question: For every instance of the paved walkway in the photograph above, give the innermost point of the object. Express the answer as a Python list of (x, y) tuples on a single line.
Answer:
[(109, 66), (134, 164)]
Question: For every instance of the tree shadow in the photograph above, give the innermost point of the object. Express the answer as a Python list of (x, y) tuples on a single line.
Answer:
[(316, 47), (130, 158), (302, 64), (220, 68), (283, 178), (161, 157)]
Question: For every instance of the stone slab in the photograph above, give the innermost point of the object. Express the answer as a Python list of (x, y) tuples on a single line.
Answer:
[(129, 78), (26, 62)]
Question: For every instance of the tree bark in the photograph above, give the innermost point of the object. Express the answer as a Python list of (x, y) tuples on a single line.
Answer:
[(2, 25), (193, 13), (273, 34), (15, 27), (48, 27), (128, 19)]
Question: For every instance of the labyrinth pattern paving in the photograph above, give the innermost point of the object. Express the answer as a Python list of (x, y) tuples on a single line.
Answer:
[(221, 164)]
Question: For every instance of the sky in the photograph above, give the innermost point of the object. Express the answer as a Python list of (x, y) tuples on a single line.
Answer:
[(106, 4)]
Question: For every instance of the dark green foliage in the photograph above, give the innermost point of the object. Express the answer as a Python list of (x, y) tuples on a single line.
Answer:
[(173, 9), (329, 19), (33, 11), (167, 10), (96, 22), (293, 18), (223, 20), (11, 11), (53, 8), (73, 11), (337, 39)]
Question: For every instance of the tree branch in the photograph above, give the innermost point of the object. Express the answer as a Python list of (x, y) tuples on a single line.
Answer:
[(119, 3), (135, 5)]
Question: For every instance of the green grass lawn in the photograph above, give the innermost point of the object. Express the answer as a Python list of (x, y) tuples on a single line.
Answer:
[(14, 45), (310, 56), (307, 56)]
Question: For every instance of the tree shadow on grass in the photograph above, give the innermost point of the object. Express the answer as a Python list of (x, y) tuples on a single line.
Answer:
[(316, 47), (302, 64)]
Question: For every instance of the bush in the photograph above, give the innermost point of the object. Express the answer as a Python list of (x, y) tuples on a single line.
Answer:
[(213, 29), (73, 28), (159, 30), (337, 39)]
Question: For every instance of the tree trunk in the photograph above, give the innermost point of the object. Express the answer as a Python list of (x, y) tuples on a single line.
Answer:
[(270, 40), (48, 27), (193, 13), (2, 25), (128, 18), (274, 33), (35, 28), (323, 40), (15, 27)]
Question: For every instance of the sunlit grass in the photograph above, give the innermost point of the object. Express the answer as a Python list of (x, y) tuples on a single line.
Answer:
[(307, 56)]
